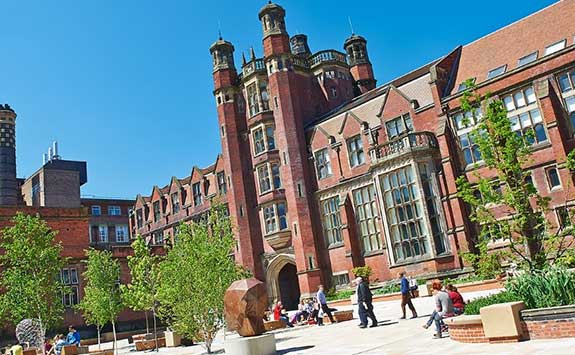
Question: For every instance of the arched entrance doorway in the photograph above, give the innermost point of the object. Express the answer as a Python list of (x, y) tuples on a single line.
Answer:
[(282, 281), (289, 286)]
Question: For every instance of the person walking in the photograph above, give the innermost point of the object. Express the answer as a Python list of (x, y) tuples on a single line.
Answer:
[(406, 296), (323, 303), (364, 304)]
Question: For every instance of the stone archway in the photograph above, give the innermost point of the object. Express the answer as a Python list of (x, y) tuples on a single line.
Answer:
[(282, 281)]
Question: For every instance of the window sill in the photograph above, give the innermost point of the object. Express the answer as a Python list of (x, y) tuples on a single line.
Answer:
[(368, 254), (421, 259), (335, 246)]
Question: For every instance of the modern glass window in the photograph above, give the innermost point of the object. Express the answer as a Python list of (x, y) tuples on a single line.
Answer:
[(356, 153), (527, 59), (367, 216), (322, 164), (121, 233), (96, 210), (553, 179), (464, 124), (332, 221), (525, 116), (157, 211), (263, 139), (497, 71), (405, 214), (398, 126), (555, 47), (222, 185), (139, 218), (175, 197), (275, 218), (114, 211), (103, 233), (197, 193)]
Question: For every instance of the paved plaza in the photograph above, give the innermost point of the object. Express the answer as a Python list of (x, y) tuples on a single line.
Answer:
[(391, 337)]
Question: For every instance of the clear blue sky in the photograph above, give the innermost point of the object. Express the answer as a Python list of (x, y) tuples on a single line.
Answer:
[(126, 85)]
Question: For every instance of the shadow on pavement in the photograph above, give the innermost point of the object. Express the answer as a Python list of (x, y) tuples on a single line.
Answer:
[(294, 349)]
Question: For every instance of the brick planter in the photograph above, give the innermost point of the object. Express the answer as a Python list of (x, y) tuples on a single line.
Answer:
[(549, 323), (466, 329)]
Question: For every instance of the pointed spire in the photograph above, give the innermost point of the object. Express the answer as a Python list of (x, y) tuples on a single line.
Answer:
[(252, 53), (219, 31), (351, 26), (243, 58)]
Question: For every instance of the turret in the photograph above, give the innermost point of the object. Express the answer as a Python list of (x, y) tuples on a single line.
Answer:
[(360, 66), (299, 46), (276, 39), (222, 55), (8, 184)]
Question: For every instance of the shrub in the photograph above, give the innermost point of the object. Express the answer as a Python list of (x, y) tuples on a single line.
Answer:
[(333, 295), (552, 287), (474, 306), (362, 271), (389, 288)]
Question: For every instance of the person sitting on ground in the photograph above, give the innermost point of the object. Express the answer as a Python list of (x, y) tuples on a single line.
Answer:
[(457, 299), (73, 337), (60, 342), (443, 308)]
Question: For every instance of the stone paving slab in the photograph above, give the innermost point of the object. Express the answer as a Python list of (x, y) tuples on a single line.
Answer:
[(391, 337)]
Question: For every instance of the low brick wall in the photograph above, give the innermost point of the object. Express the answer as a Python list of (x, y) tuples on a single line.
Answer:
[(466, 329), (549, 323)]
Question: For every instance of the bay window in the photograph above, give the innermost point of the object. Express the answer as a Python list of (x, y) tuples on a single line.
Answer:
[(275, 218), (332, 220), (263, 139), (367, 218), (268, 175)]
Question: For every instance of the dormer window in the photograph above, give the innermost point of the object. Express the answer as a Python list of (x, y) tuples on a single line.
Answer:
[(139, 218), (197, 194), (322, 164), (175, 197), (399, 126), (497, 71), (157, 212), (355, 150)]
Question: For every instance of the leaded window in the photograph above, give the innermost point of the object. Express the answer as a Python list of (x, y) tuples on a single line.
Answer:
[(332, 220), (525, 116), (356, 153), (567, 84), (275, 218), (367, 216), (399, 126), (322, 164)]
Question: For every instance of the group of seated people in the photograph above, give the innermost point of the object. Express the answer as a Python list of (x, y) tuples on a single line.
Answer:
[(448, 303), (55, 346), (309, 312)]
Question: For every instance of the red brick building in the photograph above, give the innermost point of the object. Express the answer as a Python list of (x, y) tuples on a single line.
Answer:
[(324, 171)]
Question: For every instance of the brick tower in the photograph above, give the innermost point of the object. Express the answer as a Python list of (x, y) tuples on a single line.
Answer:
[(8, 184), (361, 69), (238, 164), (285, 83)]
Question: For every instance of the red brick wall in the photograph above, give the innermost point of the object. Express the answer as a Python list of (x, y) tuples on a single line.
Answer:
[(550, 329), (468, 333)]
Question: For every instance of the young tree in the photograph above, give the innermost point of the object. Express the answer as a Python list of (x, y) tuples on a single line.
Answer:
[(140, 293), (30, 264), (102, 301), (195, 275), (506, 153)]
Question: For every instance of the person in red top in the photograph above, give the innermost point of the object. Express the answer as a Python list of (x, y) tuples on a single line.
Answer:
[(456, 298), (277, 310)]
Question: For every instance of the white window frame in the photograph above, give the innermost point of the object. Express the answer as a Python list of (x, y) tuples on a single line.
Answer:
[(331, 218), (335, 277), (103, 237), (524, 112), (367, 218), (462, 130), (529, 58), (267, 142), (197, 193), (568, 95), (555, 47), (96, 208), (322, 164), (548, 178), (495, 72), (122, 235), (405, 122), (272, 220), (114, 210)]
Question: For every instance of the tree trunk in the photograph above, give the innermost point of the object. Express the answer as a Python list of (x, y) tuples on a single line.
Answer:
[(99, 339), (147, 323), (115, 340), (155, 329)]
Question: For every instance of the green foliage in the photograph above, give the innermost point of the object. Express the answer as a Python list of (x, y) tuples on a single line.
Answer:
[(389, 288), (195, 274), (487, 265), (362, 271), (333, 295), (139, 294), (473, 307), (102, 301), (464, 279), (505, 153), (551, 287), (30, 264)]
